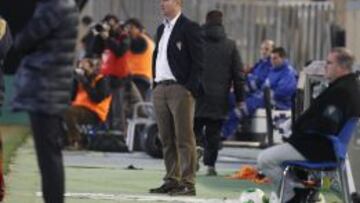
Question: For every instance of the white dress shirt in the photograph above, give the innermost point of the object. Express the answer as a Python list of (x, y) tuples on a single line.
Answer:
[(162, 67)]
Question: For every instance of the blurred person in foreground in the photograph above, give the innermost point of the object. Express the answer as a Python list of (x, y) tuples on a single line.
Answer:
[(43, 84)]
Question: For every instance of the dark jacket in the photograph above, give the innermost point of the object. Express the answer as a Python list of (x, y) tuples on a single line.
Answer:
[(223, 69), (5, 45), (326, 115), (186, 63), (97, 92), (44, 79)]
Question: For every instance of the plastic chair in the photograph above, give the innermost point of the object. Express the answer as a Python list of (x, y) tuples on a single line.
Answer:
[(340, 143), (137, 119)]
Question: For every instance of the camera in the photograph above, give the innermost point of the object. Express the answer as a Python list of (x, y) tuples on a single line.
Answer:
[(79, 71), (99, 27)]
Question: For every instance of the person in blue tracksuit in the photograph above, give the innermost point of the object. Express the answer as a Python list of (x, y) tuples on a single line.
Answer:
[(254, 80), (259, 72), (282, 80)]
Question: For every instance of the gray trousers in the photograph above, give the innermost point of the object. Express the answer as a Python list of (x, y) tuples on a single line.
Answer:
[(174, 107), (270, 160)]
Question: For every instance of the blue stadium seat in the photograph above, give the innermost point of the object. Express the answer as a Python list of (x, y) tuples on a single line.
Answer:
[(340, 143)]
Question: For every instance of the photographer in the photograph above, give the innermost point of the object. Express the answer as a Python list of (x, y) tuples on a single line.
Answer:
[(91, 101), (107, 34), (94, 40), (140, 55)]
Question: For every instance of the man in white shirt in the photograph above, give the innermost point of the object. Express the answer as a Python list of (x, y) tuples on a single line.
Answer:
[(177, 63)]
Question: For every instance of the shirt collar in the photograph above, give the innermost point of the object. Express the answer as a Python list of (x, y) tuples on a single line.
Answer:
[(171, 23)]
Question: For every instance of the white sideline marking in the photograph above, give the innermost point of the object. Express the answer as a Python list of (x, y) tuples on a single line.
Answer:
[(142, 198)]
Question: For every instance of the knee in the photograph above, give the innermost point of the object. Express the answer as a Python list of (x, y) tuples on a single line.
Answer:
[(263, 160), (69, 113)]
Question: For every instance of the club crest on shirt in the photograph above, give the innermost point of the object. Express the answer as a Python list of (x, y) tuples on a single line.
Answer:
[(179, 45)]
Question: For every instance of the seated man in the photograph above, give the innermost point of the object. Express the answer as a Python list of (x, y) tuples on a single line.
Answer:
[(91, 100), (256, 76), (326, 115), (282, 82)]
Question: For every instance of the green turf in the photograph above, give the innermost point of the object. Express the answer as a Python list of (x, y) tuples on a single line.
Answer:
[(13, 136), (23, 182)]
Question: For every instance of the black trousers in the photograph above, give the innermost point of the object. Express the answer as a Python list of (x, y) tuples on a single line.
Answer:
[(207, 133), (47, 134), (143, 85)]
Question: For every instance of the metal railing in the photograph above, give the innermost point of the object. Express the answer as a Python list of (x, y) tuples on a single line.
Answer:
[(301, 27)]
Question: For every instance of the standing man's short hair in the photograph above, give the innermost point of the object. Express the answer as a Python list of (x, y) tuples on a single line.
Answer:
[(279, 50), (344, 57), (214, 17)]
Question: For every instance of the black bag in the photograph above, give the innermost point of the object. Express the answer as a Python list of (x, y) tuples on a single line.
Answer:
[(107, 142)]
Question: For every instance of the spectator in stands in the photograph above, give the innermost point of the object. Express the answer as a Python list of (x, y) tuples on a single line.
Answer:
[(140, 55), (5, 44), (177, 64), (43, 85), (91, 101), (326, 115), (256, 76), (222, 70), (282, 80)]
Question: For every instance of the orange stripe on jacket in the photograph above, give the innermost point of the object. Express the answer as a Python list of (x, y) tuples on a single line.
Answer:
[(141, 63), (83, 99)]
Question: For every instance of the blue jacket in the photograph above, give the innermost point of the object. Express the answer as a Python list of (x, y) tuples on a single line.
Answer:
[(256, 78), (282, 81)]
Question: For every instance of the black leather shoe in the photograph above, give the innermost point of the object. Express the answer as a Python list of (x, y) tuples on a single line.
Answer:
[(165, 188), (184, 190)]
